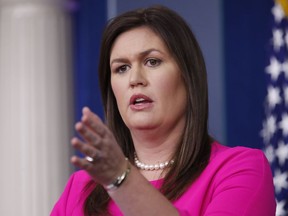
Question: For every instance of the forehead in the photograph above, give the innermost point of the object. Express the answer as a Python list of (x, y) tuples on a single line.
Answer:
[(137, 40)]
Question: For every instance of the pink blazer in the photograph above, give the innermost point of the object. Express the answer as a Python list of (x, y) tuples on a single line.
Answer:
[(237, 181)]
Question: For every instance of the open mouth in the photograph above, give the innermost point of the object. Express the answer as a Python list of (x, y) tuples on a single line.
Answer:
[(140, 101)]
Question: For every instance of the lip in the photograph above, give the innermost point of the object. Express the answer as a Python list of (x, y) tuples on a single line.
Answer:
[(141, 106)]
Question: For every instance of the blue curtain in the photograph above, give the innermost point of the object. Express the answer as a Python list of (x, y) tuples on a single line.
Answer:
[(89, 20), (246, 34)]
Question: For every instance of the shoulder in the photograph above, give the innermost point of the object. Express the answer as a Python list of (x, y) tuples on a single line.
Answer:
[(236, 181), (78, 182), (80, 177), (238, 156), (245, 173), (241, 160), (73, 196)]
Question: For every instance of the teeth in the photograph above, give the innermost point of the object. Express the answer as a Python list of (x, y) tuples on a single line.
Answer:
[(138, 100)]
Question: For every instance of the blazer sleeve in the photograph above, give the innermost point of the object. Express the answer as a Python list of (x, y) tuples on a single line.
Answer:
[(60, 208)]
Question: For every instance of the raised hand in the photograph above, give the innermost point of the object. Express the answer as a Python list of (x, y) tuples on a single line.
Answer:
[(104, 159)]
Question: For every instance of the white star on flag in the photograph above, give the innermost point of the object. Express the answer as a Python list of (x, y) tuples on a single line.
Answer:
[(283, 124), (278, 12), (269, 128), (274, 69), (273, 96), (280, 180), (285, 68), (278, 40), (282, 152), (280, 211), (286, 37), (269, 153), (285, 92)]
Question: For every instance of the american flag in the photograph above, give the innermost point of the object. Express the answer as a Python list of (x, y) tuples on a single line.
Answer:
[(275, 124)]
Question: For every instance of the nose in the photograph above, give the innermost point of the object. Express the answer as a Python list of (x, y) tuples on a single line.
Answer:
[(137, 78)]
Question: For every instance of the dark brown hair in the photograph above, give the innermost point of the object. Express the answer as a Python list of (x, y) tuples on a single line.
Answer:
[(193, 150)]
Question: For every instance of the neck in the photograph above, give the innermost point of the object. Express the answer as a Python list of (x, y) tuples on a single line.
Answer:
[(152, 147), (155, 175), (157, 145)]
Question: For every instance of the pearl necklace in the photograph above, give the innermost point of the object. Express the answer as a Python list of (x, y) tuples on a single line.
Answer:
[(159, 166)]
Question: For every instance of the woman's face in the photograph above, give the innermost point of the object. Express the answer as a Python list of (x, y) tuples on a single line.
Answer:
[(146, 81)]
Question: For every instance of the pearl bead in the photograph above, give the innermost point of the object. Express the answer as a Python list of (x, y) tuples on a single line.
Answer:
[(151, 167)]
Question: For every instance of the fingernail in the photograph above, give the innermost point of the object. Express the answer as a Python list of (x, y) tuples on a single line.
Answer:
[(85, 109), (78, 126), (73, 141)]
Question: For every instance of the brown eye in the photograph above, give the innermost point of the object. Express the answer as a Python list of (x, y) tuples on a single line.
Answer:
[(153, 62), (122, 69)]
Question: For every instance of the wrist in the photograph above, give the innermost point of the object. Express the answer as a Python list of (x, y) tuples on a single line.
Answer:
[(118, 181)]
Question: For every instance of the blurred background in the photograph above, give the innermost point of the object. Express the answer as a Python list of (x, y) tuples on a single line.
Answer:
[(49, 53)]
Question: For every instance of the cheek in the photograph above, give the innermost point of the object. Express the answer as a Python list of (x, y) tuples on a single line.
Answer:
[(172, 86)]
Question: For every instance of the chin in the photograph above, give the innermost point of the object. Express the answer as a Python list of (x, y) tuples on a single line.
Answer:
[(142, 126), (141, 122)]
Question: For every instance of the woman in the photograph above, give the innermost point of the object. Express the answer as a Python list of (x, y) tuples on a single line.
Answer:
[(155, 156)]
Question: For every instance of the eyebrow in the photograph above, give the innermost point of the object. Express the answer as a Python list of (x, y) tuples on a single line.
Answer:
[(141, 54)]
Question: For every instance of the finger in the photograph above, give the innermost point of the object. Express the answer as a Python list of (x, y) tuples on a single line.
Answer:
[(81, 163), (94, 122), (87, 150), (88, 135)]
